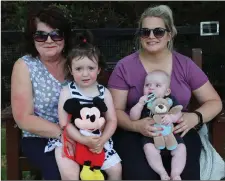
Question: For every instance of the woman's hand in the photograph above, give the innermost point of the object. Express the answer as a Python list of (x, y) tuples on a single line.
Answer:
[(186, 122), (146, 128)]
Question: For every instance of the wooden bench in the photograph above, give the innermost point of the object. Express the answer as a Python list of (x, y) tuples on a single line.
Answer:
[(16, 162)]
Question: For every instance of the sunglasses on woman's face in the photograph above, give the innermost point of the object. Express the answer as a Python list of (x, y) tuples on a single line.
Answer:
[(42, 36), (157, 32)]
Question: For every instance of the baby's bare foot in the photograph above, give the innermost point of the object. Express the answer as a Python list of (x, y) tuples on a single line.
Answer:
[(164, 177), (176, 178)]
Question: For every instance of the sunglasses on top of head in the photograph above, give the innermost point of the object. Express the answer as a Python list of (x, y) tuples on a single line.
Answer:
[(157, 32), (42, 36)]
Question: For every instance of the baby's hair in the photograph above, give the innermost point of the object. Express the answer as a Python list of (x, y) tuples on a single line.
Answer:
[(159, 72), (83, 47)]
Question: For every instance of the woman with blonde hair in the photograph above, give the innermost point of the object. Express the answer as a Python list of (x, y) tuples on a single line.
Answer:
[(156, 32)]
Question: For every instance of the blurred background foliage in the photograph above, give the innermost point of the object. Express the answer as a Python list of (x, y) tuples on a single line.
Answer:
[(112, 14)]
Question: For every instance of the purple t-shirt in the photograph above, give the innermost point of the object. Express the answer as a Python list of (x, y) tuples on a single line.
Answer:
[(129, 74)]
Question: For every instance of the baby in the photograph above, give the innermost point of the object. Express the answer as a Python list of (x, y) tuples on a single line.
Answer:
[(158, 83)]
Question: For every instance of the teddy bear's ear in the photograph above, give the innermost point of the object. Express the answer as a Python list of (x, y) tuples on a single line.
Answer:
[(71, 105), (100, 104), (176, 109), (170, 101)]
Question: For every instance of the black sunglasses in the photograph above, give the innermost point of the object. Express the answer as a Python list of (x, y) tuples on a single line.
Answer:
[(42, 36), (157, 32)]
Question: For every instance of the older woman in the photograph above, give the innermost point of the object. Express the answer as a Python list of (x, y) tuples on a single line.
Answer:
[(37, 79), (156, 33)]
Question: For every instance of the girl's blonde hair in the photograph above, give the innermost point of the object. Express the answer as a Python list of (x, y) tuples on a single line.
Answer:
[(165, 13)]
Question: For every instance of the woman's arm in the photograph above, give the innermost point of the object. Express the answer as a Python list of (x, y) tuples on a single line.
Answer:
[(210, 101), (120, 99), (22, 104)]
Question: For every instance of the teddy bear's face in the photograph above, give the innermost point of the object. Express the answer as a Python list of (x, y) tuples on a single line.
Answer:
[(160, 106)]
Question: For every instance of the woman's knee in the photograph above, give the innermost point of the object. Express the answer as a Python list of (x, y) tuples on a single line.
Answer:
[(193, 146), (192, 139), (138, 169)]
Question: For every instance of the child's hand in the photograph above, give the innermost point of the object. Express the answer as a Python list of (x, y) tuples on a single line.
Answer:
[(143, 100), (99, 147), (91, 141), (167, 119)]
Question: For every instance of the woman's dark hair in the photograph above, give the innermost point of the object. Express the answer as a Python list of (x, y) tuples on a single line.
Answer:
[(52, 16), (83, 47)]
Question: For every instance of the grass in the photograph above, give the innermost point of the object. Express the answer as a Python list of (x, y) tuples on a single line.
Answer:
[(26, 174)]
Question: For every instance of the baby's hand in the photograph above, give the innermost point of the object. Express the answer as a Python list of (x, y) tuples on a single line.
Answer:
[(167, 119), (143, 100)]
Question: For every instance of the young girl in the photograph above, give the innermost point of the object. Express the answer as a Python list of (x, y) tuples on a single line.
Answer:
[(85, 63)]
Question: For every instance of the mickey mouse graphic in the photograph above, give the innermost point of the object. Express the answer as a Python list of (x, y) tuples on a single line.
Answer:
[(88, 118)]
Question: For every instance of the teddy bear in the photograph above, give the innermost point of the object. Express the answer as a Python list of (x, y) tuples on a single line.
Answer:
[(159, 107), (88, 118)]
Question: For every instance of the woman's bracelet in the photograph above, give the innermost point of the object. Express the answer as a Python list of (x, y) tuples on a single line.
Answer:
[(200, 120)]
